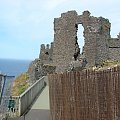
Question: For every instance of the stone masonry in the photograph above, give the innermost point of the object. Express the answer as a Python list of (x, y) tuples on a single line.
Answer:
[(64, 51), (96, 33), (65, 41), (98, 47), (42, 65), (46, 53), (114, 48)]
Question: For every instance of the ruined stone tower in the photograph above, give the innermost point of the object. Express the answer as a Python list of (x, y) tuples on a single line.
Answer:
[(96, 33), (46, 52)]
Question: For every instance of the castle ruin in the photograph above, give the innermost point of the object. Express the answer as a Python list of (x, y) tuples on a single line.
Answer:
[(98, 47), (98, 44)]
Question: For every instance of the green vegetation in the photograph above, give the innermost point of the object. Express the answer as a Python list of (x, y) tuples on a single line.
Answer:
[(20, 84), (106, 65), (109, 63)]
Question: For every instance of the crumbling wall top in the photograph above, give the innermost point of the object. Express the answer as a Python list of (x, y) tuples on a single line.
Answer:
[(69, 13)]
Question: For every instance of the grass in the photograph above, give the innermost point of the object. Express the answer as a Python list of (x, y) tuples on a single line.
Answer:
[(109, 63), (20, 84)]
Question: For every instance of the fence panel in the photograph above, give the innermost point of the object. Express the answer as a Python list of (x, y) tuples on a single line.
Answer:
[(85, 95)]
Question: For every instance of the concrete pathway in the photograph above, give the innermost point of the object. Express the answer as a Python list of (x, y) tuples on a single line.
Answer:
[(40, 109), (42, 101)]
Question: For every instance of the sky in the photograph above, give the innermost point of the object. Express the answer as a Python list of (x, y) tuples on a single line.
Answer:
[(26, 24)]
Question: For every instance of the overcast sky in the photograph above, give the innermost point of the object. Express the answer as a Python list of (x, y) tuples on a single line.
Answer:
[(25, 24)]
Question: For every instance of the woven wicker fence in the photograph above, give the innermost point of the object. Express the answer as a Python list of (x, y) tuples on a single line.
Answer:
[(87, 95)]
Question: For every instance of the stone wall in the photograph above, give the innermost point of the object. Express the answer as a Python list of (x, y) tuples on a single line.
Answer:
[(114, 48), (114, 54), (96, 33), (65, 33)]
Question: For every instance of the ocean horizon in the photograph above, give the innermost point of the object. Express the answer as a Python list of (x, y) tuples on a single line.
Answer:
[(13, 67)]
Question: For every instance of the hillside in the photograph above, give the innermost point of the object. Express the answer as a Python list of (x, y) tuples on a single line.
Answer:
[(20, 84)]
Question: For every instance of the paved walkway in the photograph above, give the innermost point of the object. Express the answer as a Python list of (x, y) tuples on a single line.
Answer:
[(40, 109), (42, 101)]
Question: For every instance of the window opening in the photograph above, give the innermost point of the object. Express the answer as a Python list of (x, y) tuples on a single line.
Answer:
[(80, 37)]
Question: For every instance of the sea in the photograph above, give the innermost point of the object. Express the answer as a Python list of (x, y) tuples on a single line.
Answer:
[(12, 67)]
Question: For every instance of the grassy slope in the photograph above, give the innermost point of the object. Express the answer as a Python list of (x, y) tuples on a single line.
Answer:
[(20, 84)]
